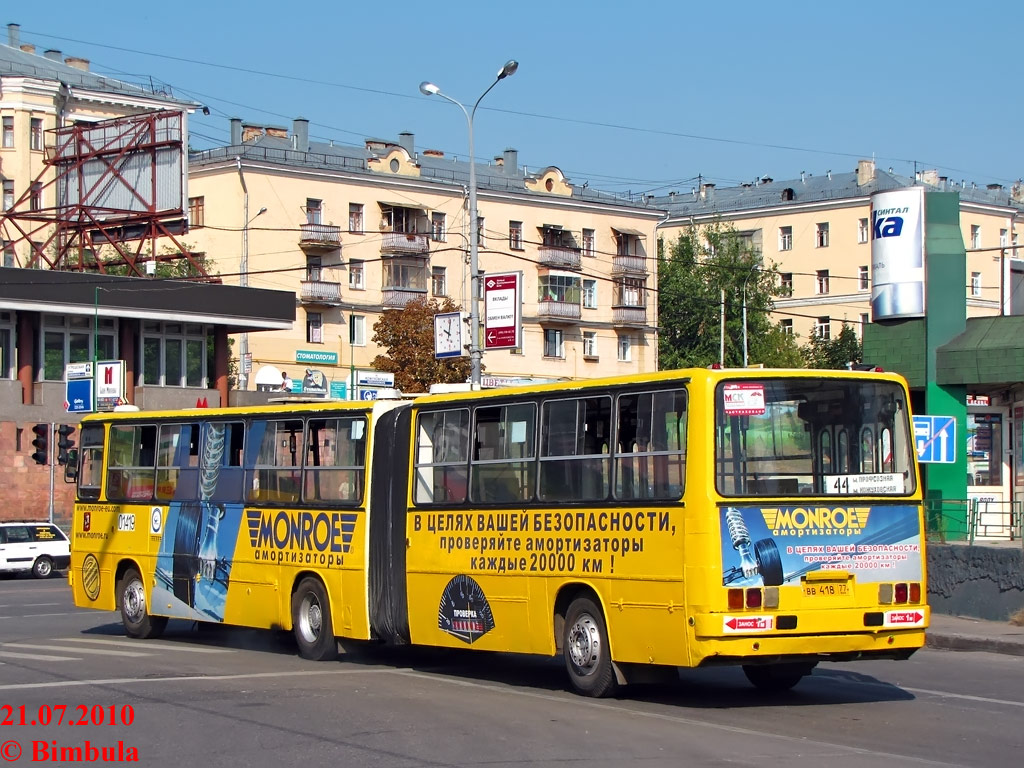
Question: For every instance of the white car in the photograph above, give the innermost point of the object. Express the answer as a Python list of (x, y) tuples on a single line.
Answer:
[(40, 548)]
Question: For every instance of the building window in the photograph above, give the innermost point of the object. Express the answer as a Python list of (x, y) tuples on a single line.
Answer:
[(786, 283), (823, 328), (357, 331), (355, 218), (8, 194), (9, 254), (314, 211), (785, 238), (438, 281), (975, 283), (35, 196), (589, 294), (1004, 238), (6, 346), (480, 230), (821, 235), (515, 235), (821, 281), (787, 327), (553, 344), (314, 328), (590, 344), (356, 276), (196, 212), (589, 243), (564, 288), (36, 133), (8, 135), (863, 280), (862, 230), (173, 354), (69, 339), (864, 320), (437, 230), (975, 236), (313, 269), (405, 273), (625, 349), (630, 292)]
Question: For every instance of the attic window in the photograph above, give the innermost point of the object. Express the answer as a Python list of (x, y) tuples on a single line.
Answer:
[(788, 194), (395, 165), (549, 185)]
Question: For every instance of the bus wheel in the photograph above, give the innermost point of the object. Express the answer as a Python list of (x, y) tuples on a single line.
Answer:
[(311, 621), (131, 597), (776, 678), (769, 562), (587, 653)]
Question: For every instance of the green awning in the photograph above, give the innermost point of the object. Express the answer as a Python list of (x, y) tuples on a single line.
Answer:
[(990, 351)]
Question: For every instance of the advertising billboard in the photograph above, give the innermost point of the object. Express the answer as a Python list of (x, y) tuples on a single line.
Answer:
[(897, 254)]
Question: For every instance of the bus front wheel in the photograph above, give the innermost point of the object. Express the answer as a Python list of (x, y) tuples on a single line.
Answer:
[(131, 598), (776, 678), (587, 653), (311, 621)]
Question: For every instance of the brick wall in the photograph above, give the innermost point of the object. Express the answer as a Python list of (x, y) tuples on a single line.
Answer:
[(25, 485)]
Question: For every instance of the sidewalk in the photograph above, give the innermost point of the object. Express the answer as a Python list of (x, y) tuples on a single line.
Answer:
[(958, 633)]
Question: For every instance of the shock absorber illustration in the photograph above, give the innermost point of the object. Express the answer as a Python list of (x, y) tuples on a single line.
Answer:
[(212, 513), (756, 558)]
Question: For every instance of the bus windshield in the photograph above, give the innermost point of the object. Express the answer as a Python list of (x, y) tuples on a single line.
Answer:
[(784, 437)]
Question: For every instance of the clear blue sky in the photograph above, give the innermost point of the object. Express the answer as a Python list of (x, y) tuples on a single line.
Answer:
[(728, 90)]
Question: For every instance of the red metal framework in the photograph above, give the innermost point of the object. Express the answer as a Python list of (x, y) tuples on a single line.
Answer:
[(118, 186)]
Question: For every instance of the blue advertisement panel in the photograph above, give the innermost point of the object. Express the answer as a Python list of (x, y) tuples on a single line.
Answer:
[(773, 546)]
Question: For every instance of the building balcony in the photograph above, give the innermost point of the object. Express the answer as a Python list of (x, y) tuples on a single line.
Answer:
[(320, 292), (629, 315), (397, 298), (622, 265), (319, 237), (559, 311), (404, 242), (558, 257)]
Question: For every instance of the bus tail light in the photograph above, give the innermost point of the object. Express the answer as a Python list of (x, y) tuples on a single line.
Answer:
[(915, 592), (754, 598), (771, 597), (902, 593), (735, 599), (885, 593)]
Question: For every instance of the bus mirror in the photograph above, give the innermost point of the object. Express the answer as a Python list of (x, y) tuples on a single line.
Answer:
[(71, 466)]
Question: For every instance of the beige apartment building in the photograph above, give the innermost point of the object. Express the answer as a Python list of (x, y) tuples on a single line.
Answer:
[(359, 231), (814, 231)]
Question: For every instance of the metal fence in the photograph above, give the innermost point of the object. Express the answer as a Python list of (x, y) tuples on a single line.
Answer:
[(974, 521)]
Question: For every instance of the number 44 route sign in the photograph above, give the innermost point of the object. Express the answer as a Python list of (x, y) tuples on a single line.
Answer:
[(935, 439)]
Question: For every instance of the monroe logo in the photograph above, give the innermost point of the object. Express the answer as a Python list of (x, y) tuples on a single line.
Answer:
[(807, 521), (302, 531)]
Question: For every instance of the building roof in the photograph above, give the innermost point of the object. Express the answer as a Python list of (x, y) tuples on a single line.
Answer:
[(15, 62), (989, 351)]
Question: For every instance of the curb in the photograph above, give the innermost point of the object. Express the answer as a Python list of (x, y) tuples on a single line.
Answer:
[(953, 642)]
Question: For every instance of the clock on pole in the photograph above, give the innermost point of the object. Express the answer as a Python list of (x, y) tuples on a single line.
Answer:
[(448, 335)]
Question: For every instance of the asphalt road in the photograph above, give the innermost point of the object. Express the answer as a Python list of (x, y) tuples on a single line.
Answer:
[(230, 697)]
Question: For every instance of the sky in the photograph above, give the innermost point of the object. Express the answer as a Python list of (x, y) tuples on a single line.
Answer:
[(641, 97)]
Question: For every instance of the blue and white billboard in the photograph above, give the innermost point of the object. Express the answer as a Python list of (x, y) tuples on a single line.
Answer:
[(897, 254)]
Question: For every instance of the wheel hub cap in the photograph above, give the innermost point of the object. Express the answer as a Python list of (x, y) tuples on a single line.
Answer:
[(584, 644)]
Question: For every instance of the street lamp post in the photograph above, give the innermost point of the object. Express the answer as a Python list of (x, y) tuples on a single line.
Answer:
[(754, 267), (475, 353), (243, 281)]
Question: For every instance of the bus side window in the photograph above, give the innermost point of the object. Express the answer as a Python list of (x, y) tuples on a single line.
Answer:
[(131, 466), (503, 467), (574, 456), (442, 455), (272, 461)]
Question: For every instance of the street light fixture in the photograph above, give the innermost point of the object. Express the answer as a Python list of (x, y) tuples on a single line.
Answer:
[(243, 281), (430, 89)]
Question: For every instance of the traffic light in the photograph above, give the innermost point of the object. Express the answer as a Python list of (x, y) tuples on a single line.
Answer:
[(41, 443), (64, 442)]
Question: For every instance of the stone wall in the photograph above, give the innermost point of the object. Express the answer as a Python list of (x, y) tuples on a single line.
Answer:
[(986, 582)]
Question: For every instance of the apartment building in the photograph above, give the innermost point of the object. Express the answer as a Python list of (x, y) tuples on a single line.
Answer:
[(357, 231), (814, 232)]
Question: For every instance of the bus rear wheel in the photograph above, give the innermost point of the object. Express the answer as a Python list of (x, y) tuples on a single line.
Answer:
[(131, 599), (776, 678), (587, 653), (311, 621)]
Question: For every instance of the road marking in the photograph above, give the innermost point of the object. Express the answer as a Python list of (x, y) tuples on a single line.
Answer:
[(96, 651), (37, 615), (35, 656), (966, 697), (147, 644), (189, 678)]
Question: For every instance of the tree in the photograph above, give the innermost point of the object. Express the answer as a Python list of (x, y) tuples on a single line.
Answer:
[(408, 337), (691, 277), (839, 352)]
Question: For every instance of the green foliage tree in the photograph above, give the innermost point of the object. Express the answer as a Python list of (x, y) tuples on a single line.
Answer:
[(702, 263), (839, 352), (408, 337)]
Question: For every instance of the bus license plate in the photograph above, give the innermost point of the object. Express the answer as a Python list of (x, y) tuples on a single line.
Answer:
[(826, 590)]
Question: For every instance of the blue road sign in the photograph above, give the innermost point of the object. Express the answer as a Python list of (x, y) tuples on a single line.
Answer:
[(78, 397), (935, 439)]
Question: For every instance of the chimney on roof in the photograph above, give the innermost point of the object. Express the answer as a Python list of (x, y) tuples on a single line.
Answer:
[(13, 35), (236, 131), (803, 179), (766, 179), (829, 174), (407, 141), (510, 161), (77, 62), (250, 131), (994, 187), (28, 48), (277, 132), (707, 191), (930, 177), (300, 132), (54, 55), (433, 153), (865, 172), (1017, 192)]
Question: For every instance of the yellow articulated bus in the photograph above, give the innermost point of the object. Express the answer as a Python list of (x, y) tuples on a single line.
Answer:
[(764, 518)]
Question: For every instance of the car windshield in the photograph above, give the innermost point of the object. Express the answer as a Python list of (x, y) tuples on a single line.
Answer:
[(789, 437)]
